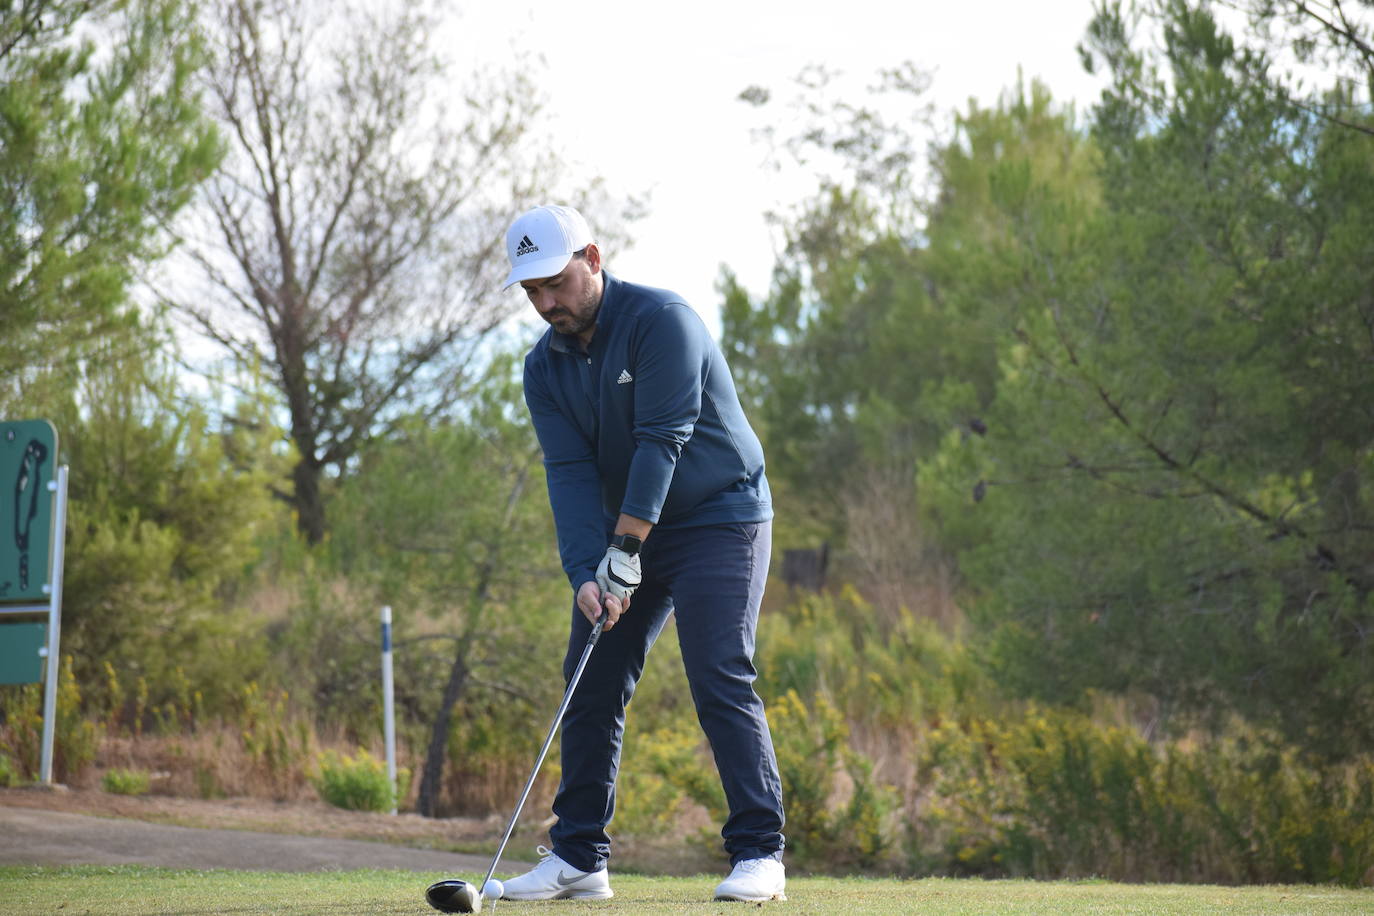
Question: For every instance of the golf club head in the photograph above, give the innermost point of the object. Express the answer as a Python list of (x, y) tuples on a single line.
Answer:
[(454, 896)]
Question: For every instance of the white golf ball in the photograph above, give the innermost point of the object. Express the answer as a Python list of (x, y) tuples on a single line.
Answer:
[(493, 889)]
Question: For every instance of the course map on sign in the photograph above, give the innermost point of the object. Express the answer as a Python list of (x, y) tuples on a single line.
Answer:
[(28, 456)]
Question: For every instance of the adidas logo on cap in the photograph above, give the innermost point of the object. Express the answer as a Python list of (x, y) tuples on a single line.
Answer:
[(542, 241)]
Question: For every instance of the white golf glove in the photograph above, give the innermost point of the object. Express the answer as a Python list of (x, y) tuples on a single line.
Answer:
[(618, 574)]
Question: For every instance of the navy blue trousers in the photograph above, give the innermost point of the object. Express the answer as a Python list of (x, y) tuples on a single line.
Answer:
[(712, 578)]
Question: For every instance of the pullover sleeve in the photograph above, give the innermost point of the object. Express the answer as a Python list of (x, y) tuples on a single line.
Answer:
[(574, 485), (670, 373)]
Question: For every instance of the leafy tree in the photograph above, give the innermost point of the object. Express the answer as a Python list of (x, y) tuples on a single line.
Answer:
[(1333, 37), (450, 524), (880, 333), (1173, 494), (101, 141), (803, 354), (161, 528), (352, 240)]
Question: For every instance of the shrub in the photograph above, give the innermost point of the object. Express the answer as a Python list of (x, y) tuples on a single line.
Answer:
[(267, 735), (1054, 794), (838, 814), (670, 768), (358, 783), (125, 782), (9, 773), (21, 728), (889, 670), (207, 784)]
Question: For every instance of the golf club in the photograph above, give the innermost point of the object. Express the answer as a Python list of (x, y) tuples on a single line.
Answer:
[(454, 895)]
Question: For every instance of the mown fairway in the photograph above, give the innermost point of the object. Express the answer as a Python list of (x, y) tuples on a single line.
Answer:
[(131, 890)]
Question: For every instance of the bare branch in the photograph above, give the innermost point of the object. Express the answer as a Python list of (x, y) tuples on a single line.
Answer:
[(357, 217)]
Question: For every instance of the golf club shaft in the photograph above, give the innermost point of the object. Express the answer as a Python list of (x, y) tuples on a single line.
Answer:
[(553, 730)]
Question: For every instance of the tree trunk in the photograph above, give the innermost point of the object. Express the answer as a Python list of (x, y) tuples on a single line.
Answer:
[(427, 802), (307, 502)]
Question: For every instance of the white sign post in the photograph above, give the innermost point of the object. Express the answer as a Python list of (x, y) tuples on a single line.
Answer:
[(54, 656), (388, 703)]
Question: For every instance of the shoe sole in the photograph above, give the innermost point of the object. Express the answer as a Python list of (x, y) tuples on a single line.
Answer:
[(739, 898), (567, 895)]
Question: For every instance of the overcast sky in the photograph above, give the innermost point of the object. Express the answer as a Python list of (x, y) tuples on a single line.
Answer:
[(646, 95)]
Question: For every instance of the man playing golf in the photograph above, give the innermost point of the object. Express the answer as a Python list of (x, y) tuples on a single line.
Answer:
[(661, 505)]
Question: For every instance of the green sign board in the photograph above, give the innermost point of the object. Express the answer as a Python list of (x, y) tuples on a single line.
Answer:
[(20, 662), (28, 462)]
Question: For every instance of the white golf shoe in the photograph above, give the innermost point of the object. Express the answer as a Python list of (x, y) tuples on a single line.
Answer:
[(554, 879), (753, 881)]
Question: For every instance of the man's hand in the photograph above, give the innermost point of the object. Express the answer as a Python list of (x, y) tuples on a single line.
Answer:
[(590, 604)]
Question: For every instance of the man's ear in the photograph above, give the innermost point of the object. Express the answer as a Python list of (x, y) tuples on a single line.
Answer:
[(593, 257)]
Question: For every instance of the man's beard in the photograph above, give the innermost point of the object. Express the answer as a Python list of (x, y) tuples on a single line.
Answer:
[(573, 323)]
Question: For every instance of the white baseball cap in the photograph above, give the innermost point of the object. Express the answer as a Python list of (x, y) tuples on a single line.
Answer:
[(542, 241)]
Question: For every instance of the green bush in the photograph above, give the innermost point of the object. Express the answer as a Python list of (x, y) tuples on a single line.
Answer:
[(666, 769), (277, 747), (358, 783), (206, 780), (1054, 794), (890, 669), (837, 813), (125, 782), (9, 773), (21, 728)]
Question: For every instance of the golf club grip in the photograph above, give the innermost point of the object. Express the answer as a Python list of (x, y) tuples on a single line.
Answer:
[(548, 740), (596, 628)]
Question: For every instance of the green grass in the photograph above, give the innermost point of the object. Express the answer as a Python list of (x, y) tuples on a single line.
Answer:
[(127, 890)]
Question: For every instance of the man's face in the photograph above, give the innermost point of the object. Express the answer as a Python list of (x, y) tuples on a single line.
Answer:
[(571, 299)]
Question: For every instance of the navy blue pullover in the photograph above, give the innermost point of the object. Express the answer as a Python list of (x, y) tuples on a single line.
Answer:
[(646, 421)]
